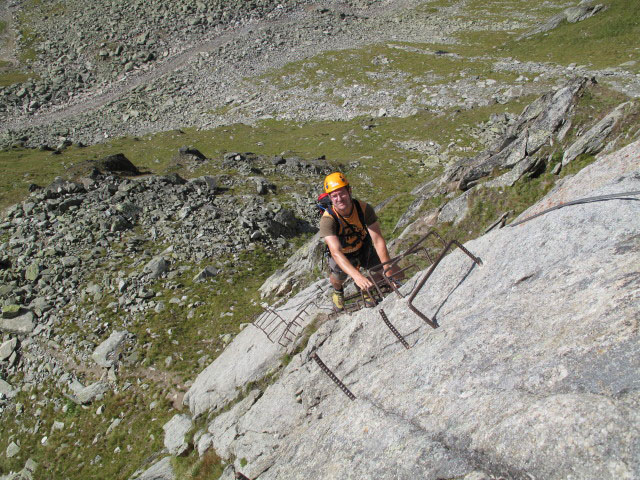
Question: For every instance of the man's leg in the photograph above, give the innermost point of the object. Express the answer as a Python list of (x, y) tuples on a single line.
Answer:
[(335, 281), (337, 278)]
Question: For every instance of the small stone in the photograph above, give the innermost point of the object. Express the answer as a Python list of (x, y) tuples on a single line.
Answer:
[(12, 450)]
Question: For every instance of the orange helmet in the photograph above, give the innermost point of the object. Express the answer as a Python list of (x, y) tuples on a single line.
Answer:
[(334, 182)]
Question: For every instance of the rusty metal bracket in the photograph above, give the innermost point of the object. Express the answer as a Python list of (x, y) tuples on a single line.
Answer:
[(389, 283), (385, 284), (433, 322), (279, 329), (332, 376), (393, 329)]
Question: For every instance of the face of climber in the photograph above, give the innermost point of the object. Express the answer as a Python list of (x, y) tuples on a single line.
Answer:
[(341, 199)]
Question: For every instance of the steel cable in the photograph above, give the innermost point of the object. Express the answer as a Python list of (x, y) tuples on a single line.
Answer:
[(600, 198)]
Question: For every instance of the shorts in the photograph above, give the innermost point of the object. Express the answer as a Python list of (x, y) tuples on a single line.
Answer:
[(366, 257)]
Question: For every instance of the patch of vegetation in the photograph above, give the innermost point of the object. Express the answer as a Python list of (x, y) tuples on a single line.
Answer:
[(193, 467), (11, 77), (379, 67), (607, 39), (197, 316), (391, 213), (84, 447), (486, 205), (364, 148)]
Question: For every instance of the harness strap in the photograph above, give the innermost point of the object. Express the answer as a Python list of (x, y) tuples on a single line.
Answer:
[(353, 232)]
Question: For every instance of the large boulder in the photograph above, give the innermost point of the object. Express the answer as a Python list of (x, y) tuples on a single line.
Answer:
[(90, 393), (161, 470), (117, 163)]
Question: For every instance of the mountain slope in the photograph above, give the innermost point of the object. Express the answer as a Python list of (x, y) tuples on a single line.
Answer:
[(532, 373)]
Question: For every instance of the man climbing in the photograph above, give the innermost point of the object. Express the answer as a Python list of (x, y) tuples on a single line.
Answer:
[(351, 230)]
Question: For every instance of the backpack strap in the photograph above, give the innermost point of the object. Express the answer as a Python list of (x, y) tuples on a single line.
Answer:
[(360, 215)]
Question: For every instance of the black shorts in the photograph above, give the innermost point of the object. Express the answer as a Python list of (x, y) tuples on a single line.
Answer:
[(366, 257)]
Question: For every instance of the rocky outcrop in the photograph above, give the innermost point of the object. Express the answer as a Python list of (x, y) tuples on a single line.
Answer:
[(582, 11), (105, 354), (174, 434), (593, 140), (531, 373), (536, 126)]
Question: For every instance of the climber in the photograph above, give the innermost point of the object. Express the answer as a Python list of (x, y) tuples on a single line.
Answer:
[(351, 230)]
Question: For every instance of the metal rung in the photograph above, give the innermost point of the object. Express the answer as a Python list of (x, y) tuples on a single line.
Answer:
[(393, 329), (332, 376)]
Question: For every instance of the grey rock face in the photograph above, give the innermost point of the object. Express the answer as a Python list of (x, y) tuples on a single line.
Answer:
[(225, 427), (105, 354), (532, 373), (250, 356), (455, 210), (174, 434)]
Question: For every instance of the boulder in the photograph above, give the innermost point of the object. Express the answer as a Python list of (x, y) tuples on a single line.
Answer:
[(194, 152), (175, 431), (207, 272), (117, 163), (20, 325), (7, 348), (90, 393), (161, 470), (11, 310), (6, 389), (581, 12), (156, 267), (105, 354), (12, 450)]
